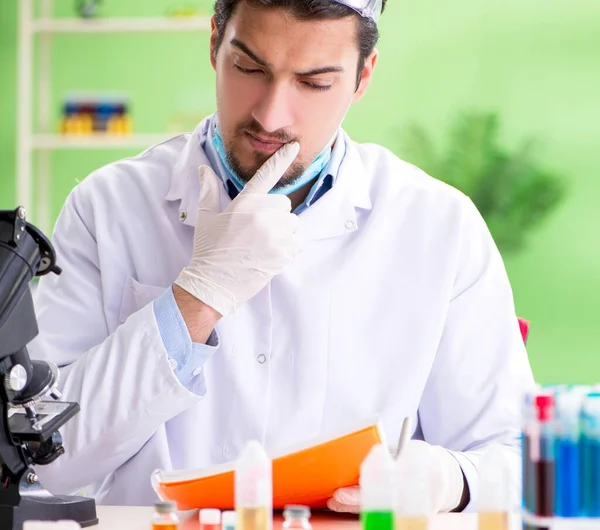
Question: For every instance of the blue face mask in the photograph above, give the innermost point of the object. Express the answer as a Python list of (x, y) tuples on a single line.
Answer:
[(312, 171)]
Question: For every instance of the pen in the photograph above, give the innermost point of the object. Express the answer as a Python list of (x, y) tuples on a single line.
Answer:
[(404, 436)]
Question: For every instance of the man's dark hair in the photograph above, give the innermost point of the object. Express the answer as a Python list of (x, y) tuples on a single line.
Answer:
[(367, 33)]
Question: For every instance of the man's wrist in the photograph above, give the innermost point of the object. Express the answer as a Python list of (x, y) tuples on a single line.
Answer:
[(200, 318)]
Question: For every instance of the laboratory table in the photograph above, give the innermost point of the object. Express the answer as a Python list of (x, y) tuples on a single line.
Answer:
[(139, 518)]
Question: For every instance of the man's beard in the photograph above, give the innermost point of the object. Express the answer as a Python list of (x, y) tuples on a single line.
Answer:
[(245, 174)]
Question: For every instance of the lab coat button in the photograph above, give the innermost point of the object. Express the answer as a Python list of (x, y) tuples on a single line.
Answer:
[(182, 215), (261, 358), (350, 224), (197, 371), (173, 364)]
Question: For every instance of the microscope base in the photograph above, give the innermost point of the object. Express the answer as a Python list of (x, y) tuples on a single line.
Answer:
[(49, 508)]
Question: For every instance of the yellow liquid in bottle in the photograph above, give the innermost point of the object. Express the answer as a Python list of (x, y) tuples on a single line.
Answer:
[(493, 521), (253, 519), (412, 523)]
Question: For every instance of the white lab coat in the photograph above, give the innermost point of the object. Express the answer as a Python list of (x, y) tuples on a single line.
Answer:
[(398, 306)]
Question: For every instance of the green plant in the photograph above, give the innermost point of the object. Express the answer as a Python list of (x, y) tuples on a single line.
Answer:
[(510, 189)]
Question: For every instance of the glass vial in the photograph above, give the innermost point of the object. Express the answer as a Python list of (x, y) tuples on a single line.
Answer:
[(210, 519), (296, 517), (229, 520), (165, 516)]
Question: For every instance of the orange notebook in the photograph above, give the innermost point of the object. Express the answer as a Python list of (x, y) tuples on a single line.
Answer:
[(306, 474)]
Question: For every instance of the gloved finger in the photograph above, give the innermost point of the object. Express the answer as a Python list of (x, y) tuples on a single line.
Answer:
[(335, 506), (273, 169), (209, 199), (348, 496), (254, 202)]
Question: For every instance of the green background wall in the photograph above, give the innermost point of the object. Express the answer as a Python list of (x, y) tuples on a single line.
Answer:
[(538, 65)]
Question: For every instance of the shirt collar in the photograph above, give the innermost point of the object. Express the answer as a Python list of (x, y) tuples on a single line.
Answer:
[(324, 182)]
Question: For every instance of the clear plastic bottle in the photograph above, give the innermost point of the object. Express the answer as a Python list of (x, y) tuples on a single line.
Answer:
[(296, 517), (378, 490), (254, 488), (494, 504), (165, 516), (413, 509)]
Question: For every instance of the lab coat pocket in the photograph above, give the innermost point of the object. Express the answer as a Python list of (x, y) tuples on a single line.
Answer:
[(135, 296)]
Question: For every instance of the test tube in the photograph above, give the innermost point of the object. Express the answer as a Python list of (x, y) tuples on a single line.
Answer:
[(254, 488), (590, 455), (494, 490), (567, 453), (538, 455), (528, 491), (378, 489), (543, 455), (413, 507)]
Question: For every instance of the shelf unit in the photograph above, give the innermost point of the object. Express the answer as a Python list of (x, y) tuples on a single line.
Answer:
[(42, 143)]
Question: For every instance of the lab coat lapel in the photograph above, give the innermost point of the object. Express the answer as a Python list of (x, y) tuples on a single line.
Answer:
[(334, 214), (185, 186)]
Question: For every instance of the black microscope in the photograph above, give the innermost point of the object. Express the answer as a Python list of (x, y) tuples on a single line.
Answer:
[(30, 413)]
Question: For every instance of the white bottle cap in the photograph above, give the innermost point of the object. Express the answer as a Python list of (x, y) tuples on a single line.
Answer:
[(414, 495), (253, 477), (210, 516), (229, 519), (494, 480), (378, 480)]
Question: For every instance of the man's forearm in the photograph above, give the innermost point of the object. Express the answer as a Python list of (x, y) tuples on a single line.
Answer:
[(199, 318)]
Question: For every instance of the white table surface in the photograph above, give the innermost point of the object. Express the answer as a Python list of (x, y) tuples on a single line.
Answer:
[(139, 518)]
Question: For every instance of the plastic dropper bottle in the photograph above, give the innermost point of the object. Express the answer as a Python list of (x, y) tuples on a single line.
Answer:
[(254, 488), (413, 507), (494, 490), (378, 489)]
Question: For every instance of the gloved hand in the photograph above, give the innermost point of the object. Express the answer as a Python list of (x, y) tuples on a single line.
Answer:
[(237, 251), (426, 468)]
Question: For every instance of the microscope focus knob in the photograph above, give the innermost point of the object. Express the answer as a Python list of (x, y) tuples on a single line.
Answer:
[(16, 379)]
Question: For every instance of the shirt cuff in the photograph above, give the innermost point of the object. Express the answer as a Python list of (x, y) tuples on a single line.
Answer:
[(185, 357)]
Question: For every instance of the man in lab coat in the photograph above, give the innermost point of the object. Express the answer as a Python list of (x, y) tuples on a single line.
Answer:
[(266, 277)]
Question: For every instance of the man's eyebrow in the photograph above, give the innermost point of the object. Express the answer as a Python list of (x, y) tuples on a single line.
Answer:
[(238, 44), (322, 70), (309, 73)]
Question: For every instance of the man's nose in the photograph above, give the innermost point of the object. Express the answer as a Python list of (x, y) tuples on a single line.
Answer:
[(274, 111)]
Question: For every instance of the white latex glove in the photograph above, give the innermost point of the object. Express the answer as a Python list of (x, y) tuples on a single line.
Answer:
[(238, 251), (425, 468)]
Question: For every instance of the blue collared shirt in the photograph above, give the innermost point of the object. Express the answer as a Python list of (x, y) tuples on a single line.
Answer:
[(187, 357)]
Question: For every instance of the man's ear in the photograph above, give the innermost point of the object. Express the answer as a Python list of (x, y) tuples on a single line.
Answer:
[(214, 36), (366, 76)]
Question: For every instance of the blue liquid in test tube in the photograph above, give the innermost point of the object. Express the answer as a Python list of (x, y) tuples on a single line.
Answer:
[(567, 454), (590, 455)]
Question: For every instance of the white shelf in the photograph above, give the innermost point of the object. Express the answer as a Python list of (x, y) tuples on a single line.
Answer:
[(34, 75), (47, 142), (120, 25)]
